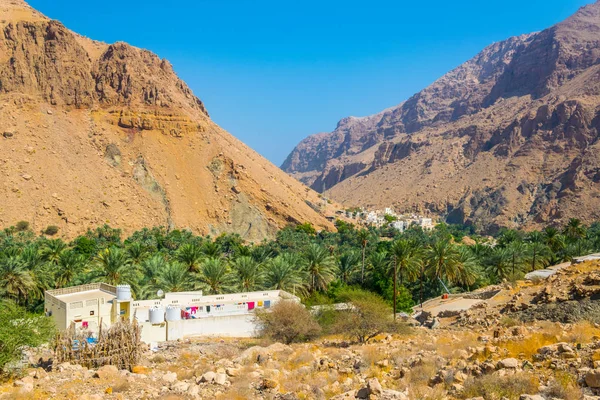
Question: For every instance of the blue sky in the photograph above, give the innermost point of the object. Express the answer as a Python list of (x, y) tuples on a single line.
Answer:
[(273, 72)]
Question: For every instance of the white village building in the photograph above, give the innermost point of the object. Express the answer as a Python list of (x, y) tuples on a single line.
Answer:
[(176, 316)]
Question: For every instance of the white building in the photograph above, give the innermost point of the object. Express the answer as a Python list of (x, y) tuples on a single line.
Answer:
[(399, 226), (426, 224), (178, 315)]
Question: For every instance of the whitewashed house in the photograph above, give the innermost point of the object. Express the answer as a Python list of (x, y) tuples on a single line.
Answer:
[(177, 315)]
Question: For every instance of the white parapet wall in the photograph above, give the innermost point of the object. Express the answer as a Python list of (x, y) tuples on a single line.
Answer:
[(189, 313)]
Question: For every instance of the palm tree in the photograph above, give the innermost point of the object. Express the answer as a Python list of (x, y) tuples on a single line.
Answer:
[(537, 250), (518, 253), (363, 237), (173, 278), (320, 266), (137, 252), (114, 267), (443, 261), (70, 264), (211, 249), (52, 249), (576, 232), (553, 239), (469, 272), (281, 274), (190, 255), (379, 262), (499, 263), (249, 273), (16, 282), (214, 276), (405, 259), (39, 269), (261, 253), (347, 266)]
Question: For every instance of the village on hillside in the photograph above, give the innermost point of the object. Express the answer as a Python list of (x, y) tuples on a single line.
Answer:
[(386, 217)]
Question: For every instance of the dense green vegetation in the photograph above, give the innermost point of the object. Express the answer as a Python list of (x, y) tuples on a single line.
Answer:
[(315, 266)]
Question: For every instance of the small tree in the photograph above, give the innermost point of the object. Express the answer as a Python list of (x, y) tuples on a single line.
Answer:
[(51, 230), (287, 322), (368, 316), (19, 330), (22, 226)]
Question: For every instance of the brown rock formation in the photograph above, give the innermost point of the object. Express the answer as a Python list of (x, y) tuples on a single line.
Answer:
[(508, 138), (110, 134)]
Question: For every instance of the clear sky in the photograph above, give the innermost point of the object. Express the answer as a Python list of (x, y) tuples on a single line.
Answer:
[(273, 72)]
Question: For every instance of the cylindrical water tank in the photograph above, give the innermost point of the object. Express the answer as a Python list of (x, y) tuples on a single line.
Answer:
[(173, 313), (156, 315), (123, 292)]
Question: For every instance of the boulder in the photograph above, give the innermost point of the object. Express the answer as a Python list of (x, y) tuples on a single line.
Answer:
[(207, 377), (220, 379), (508, 363), (592, 378), (374, 387), (106, 372), (531, 397), (180, 387), (170, 377)]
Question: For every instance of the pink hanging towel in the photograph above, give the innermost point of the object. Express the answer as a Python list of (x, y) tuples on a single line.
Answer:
[(250, 305), (84, 325)]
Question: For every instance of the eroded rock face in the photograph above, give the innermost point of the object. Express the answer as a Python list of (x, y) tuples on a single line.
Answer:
[(114, 136), (519, 122)]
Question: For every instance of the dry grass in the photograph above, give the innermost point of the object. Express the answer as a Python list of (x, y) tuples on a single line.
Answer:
[(549, 333), (494, 387), (563, 386)]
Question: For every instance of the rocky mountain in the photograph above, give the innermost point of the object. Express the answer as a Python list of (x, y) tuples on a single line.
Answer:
[(510, 138), (92, 133)]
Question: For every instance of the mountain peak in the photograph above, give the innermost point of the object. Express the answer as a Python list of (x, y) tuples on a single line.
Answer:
[(508, 138), (97, 134)]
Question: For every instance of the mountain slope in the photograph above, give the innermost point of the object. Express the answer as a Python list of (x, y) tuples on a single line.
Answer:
[(92, 133), (508, 138)]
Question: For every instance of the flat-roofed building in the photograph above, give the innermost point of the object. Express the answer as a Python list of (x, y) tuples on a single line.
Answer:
[(177, 315)]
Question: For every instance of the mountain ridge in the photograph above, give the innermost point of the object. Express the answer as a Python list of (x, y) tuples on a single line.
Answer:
[(489, 106), (95, 133)]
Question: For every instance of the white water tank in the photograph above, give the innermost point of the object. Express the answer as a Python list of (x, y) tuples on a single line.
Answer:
[(123, 292), (173, 313), (156, 315)]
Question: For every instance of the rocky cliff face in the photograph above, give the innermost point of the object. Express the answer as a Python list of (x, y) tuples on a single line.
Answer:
[(508, 138), (92, 133)]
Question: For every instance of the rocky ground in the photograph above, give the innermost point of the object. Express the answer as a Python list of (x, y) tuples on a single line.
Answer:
[(512, 347)]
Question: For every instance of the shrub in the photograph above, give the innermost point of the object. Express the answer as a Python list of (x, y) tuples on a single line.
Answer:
[(287, 322), (51, 230), (368, 316), (19, 330), (22, 226), (493, 387)]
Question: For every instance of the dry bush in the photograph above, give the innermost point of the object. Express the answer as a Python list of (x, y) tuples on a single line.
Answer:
[(446, 346), (287, 322), (300, 358), (529, 346), (369, 317), (372, 354), (563, 386), (509, 322), (426, 392), (421, 373), (581, 332), (494, 387)]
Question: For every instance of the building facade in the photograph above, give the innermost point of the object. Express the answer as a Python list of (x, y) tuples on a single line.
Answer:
[(177, 315)]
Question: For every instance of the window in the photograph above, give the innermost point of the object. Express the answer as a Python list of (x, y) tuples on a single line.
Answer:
[(77, 304), (93, 302)]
